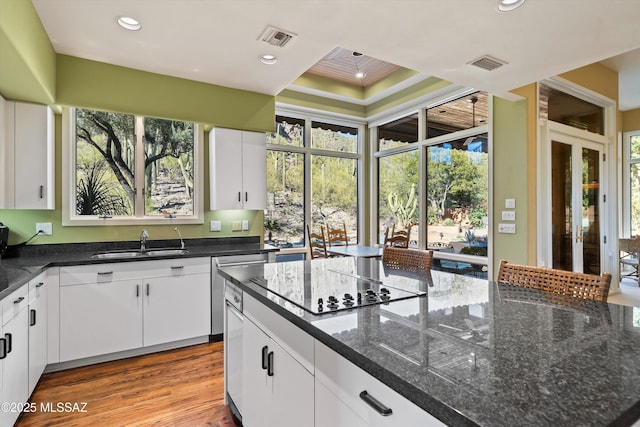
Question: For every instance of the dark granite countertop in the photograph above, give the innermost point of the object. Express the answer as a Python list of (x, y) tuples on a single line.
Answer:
[(27, 262), (478, 353)]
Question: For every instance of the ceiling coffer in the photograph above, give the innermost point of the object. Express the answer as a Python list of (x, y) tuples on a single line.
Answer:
[(277, 36), (488, 63)]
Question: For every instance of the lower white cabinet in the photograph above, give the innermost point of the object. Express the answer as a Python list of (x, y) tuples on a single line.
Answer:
[(115, 307), (37, 329), (348, 396), (15, 354), (277, 389)]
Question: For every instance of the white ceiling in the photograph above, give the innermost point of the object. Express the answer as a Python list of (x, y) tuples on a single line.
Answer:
[(216, 41)]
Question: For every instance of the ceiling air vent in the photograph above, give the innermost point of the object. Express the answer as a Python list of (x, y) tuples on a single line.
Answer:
[(488, 63), (276, 36)]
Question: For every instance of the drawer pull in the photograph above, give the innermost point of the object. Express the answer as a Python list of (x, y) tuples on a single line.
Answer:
[(177, 267), (104, 273), (375, 404), (19, 300), (270, 364), (39, 284), (265, 350)]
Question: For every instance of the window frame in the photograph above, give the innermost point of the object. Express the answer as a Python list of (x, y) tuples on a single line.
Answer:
[(69, 216), (625, 188), (307, 151)]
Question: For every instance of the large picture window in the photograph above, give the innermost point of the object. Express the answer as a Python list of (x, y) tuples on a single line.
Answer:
[(127, 167), (312, 178)]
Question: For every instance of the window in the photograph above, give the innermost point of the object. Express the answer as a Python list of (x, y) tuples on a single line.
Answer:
[(126, 168), (312, 177), (633, 194), (561, 107)]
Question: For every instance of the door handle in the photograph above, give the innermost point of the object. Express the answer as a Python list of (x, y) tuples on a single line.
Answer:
[(147, 289), (32, 320), (137, 291), (3, 348), (9, 340), (246, 196), (270, 364), (265, 350)]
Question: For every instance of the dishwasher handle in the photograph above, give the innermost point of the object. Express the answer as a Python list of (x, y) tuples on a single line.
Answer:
[(230, 264)]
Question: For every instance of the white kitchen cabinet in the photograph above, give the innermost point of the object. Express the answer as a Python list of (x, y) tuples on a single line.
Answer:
[(100, 318), (176, 307), (37, 329), (15, 370), (237, 167), (28, 157), (107, 308), (355, 398), (277, 389)]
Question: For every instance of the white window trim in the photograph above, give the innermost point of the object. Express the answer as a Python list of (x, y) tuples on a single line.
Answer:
[(69, 218), (625, 189)]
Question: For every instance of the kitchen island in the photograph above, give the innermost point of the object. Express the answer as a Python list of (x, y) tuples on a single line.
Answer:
[(465, 350)]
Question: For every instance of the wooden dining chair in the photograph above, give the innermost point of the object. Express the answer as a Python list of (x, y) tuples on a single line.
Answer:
[(578, 285), (317, 243), (337, 236), (631, 252), (397, 238), (413, 260)]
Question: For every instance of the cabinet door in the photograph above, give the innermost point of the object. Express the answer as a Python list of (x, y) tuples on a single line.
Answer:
[(176, 308), (34, 156), (256, 384), (292, 402), (37, 330), (330, 411), (225, 169), (98, 319), (15, 376), (254, 170)]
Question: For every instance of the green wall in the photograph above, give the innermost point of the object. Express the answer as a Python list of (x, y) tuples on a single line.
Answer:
[(509, 178)]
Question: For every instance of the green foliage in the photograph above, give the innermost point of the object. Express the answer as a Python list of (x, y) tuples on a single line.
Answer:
[(474, 250), (94, 195), (404, 211), (476, 214), (398, 174), (448, 222)]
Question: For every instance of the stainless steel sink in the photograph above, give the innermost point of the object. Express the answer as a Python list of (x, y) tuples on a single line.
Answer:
[(140, 254)]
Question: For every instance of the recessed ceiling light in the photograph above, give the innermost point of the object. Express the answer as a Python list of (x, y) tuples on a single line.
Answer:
[(268, 59), (509, 5), (360, 75), (129, 23)]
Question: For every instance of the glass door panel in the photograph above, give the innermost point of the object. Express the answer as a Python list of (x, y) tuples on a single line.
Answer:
[(561, 206), (590, 221)]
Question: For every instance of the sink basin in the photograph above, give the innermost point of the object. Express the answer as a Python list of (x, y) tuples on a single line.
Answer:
[(166, 252), (119, 254), (139, 254)]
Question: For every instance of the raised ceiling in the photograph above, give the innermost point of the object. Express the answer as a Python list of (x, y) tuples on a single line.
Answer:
[(217, 41)]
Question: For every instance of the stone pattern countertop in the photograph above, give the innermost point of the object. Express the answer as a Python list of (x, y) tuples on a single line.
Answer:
[(478, 353), (29, 261)]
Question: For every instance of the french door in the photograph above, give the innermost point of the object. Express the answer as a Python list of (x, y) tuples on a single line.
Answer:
[(575, 203)]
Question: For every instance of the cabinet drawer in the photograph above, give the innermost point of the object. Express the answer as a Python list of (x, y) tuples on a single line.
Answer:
[(113, 272), (347, 382), (14, 303), (293, 340)]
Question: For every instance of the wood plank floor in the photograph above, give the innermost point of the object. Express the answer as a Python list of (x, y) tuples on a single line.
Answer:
[(182, 387)]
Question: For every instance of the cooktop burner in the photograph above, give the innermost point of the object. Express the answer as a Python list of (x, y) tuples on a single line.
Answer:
[(323, 290)]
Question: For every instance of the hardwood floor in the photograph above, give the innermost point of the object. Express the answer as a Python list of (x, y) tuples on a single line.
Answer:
[(182, 387)]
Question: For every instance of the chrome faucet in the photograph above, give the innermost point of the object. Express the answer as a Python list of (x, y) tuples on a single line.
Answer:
[(143, 240), (180, 236)]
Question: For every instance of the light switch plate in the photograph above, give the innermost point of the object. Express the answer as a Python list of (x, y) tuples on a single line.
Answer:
[(508, 215), (215, 226), (245, 224), (236, 225), (507, 228), (45, 227), (510, 203)]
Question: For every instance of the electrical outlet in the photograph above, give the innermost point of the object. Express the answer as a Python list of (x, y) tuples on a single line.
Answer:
[(45, 227), (507, 228), (215, 226), (245, 225), (508, 215)]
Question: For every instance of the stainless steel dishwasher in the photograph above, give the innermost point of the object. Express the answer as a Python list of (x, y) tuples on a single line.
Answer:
[(217, 287)]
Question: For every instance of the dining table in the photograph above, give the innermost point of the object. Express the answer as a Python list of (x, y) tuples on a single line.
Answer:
[(359, 251)]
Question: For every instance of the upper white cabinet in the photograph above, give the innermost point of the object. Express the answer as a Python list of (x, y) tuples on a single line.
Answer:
[(238, 169), (27, 148)]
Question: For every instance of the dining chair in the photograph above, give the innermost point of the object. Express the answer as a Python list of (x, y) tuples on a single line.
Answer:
[(397, 238), (317, 243), (631, 251), (413, 260), (578, 285), (337, 236)]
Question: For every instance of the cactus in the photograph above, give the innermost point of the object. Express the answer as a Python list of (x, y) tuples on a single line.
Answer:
[(404, 212)]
